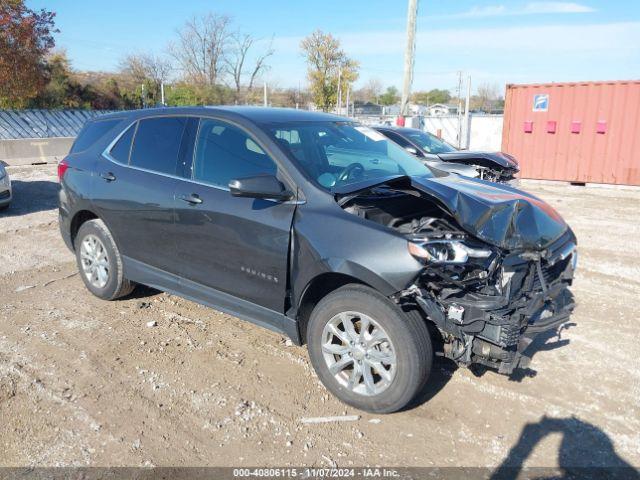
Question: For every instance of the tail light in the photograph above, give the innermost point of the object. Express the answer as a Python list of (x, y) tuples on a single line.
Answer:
[(62, 168)]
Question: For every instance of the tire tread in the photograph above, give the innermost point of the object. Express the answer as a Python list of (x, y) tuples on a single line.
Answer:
[(123, 286), (418, 337)]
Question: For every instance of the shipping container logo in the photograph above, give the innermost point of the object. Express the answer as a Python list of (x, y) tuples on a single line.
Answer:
[(541, 102)]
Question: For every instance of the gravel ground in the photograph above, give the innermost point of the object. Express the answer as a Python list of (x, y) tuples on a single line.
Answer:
[(87, 382)]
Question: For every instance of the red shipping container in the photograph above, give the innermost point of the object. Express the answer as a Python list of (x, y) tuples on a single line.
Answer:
[(597, 134)]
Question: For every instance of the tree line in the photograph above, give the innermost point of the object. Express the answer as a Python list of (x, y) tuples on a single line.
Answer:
[(210, 61)]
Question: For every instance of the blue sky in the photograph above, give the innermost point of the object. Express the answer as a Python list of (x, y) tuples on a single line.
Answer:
[(493, 41)]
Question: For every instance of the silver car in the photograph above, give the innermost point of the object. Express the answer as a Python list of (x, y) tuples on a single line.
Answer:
[(5, 188), (434, 152)]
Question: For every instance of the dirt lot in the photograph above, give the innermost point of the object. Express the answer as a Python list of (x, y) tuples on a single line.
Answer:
[(87, 382)]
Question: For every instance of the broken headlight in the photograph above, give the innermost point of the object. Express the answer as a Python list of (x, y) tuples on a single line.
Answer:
[(446, 251)]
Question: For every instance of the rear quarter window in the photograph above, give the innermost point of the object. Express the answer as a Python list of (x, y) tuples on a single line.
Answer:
[(157, 144), (91, 133), (122, 148)]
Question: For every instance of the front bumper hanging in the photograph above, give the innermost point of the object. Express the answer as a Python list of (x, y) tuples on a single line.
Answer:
[(496, 330)]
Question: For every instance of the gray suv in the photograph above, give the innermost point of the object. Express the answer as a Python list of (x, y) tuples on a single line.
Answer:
[(321, 229)]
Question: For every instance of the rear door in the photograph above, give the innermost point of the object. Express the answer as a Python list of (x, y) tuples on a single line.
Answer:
[(234, 245), (135, 190)]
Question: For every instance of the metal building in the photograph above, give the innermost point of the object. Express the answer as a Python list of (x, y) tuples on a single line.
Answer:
[(577, 132)]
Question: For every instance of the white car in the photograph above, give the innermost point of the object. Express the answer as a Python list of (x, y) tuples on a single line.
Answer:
[(5, 188)]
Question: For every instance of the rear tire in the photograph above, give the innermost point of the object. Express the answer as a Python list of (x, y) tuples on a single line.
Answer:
[(362, 369), (99, 261)]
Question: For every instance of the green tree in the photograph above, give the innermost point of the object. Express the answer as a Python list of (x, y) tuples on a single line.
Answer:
[(61, 91), (25, 39), (390, 97), (184, 94), (327, 64), (432, 96)]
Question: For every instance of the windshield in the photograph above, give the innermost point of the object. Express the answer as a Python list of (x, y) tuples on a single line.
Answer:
[(430, 143), (336, 154)]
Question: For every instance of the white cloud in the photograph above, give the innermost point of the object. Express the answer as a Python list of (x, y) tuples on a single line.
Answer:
[(531, 8), (515, 54), (605, 38), (556, 7), (487, 11)]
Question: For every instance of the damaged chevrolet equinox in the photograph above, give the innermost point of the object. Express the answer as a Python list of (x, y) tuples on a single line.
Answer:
[(323, 230)]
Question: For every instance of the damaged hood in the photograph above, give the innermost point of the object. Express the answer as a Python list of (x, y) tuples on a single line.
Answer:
[(495, 213), (486, 159)]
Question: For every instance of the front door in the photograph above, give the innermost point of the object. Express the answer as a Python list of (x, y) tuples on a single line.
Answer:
[(234, 245)]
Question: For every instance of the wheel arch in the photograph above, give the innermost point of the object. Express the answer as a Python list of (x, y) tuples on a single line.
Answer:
[(318, 288), (78, 219)]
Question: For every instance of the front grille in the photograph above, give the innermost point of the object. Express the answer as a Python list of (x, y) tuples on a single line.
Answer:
[(4, 194), (550, 273)]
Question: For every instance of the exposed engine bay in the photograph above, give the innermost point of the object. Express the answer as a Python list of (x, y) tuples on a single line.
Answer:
[(486, 301)]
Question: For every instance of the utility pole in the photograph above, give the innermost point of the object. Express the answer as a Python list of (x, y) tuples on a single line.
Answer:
[(348, 92), (459, 109), (467, 118), (409, 55), (264, 93), (339, 91), (162, 93)]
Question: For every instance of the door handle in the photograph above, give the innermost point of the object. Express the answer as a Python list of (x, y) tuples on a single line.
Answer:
[(193, 199), (108, 176)]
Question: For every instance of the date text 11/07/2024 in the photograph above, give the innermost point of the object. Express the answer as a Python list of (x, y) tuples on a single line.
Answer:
[(316, 472)]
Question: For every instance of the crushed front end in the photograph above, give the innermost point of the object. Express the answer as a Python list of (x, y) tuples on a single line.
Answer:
[(497, 262), (489, 304), (496, 167)]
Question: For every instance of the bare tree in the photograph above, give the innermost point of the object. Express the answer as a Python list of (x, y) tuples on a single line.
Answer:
[(260, 64), (371, 91), (487, 97), (236, 61), (141, 67), (202, 47), (149, 70)]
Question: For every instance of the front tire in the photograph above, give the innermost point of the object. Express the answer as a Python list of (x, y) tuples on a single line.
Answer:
[(99, 261), (367, 351)]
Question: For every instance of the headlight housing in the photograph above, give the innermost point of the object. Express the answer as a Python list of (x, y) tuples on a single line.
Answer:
[(446, 251)]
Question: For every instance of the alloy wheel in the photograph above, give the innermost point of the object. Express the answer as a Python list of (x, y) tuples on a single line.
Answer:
[(359, 353), (95, 263)]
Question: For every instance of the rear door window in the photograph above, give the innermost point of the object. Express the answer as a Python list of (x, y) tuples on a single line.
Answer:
[(157, 144), (122, 148), (91, 133), (225, 152)]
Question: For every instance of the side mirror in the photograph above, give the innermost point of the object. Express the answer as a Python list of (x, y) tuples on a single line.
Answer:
[(267, 187), (412, 150)]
